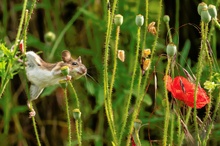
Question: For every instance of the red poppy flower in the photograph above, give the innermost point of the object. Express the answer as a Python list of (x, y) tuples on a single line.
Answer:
[(183, 90), (132, 141)]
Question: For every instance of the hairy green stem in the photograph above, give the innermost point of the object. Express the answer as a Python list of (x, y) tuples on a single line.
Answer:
[(115, 62), (127, 104), (199, 73), (78, 122), (154, 45), (68, 118), (169, 32), (167, 108), (172, 128), (35, 131), (75, 95), (108, 109)]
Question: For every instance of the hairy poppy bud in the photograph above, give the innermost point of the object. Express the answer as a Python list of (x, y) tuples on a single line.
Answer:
[(137, 124), (139, 20), (166, 18), (171, 49), (201, 6), (205, 16), (212, 11), (65, 70), (118, 20), (76, 114)]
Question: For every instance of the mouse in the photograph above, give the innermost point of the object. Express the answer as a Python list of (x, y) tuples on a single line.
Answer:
[(42, 74)]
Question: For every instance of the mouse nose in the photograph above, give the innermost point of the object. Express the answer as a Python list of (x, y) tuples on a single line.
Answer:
[(83, 70)]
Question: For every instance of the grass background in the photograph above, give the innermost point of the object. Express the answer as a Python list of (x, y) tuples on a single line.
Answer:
[(85, 24)]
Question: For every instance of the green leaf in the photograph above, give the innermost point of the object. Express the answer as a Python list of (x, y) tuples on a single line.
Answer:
[(18, 109), (47, 91), (147, 99)]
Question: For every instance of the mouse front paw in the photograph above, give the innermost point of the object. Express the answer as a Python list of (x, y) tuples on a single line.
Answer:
[(32, 113)]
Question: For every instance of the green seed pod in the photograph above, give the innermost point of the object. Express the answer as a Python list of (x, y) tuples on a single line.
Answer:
[(76, 114), (137, 124), (65, 70), (171, 49), (201, 6), (212, 11), (139, 20), (166, 18), (63, 84), (118, 20), (205, 16), (49, 37)]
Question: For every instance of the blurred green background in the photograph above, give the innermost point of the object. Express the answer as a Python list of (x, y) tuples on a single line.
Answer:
[(80, 27)]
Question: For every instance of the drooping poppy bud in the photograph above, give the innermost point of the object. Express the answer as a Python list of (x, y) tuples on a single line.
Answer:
[(76, 114), (65, 70)]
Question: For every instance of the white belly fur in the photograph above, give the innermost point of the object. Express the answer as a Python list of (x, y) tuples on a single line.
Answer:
[(42, 77)]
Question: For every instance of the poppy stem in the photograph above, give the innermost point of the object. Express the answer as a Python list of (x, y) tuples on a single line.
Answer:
[(167, 110), (204, 29)]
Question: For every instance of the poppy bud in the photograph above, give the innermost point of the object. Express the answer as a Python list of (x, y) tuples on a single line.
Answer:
[(21, 46), (201, 6), (146, 53), (121, 55), (139, 20), (76, 114), (63, 84), (137, 124), (49, 37), (65, 70), (212, 11), (171, 49), (205, 16), (166, 18), (118, 20)]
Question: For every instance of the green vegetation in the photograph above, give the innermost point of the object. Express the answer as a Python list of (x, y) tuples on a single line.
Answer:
[(134, 52)]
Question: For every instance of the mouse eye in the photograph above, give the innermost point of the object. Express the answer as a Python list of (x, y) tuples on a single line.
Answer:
[(74, 63)]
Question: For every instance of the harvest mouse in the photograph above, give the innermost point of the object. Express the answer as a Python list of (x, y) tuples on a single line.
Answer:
[(42, 74)]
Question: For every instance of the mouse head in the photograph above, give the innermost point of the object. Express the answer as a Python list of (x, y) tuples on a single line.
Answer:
[(77, 69)]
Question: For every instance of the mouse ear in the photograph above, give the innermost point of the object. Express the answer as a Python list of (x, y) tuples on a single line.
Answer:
[(66, 56), (79, 59)]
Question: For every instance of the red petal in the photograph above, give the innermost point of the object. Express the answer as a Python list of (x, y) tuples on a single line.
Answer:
[(132, 141), (183, 90)]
